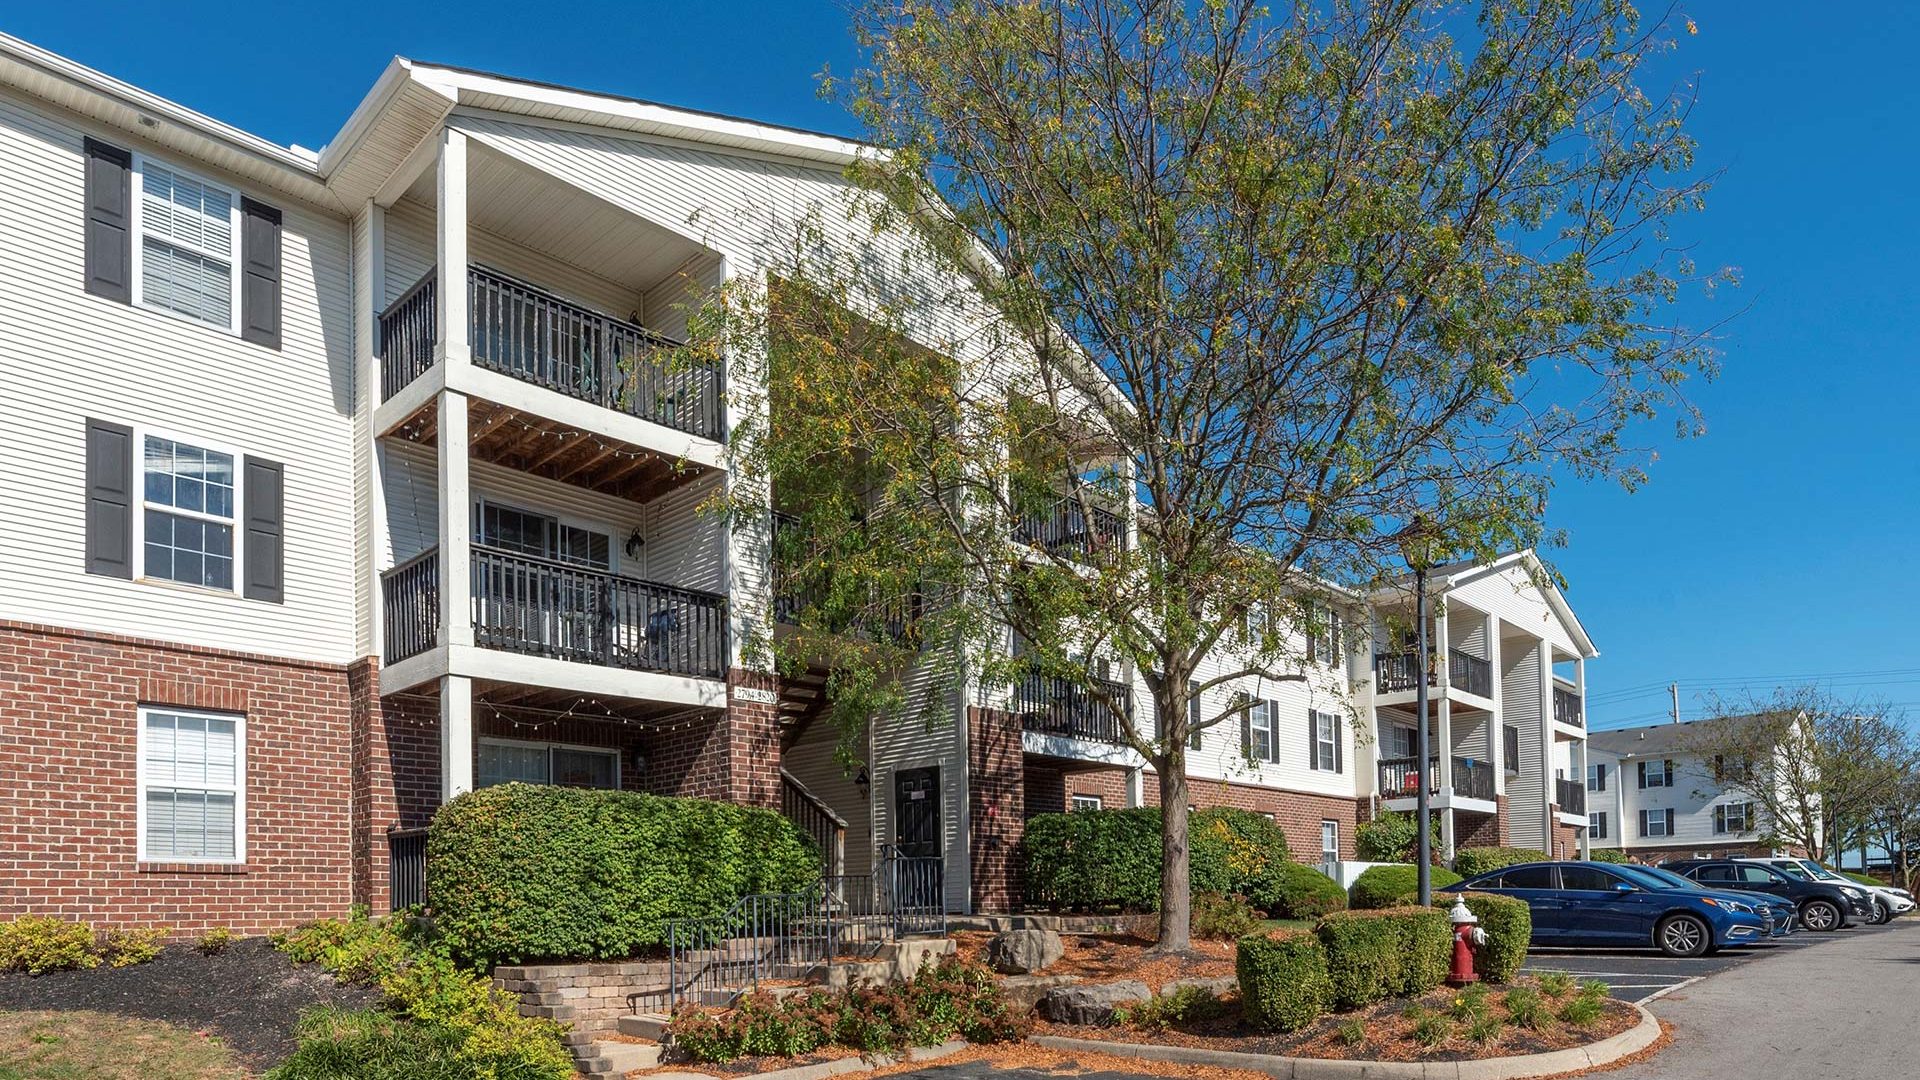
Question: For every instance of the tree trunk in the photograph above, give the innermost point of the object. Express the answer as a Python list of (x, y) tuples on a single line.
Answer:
[(1176, 892)]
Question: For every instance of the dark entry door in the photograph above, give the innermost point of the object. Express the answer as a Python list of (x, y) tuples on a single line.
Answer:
[(916, 807)]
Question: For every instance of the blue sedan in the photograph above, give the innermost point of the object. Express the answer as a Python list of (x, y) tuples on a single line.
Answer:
[(1589, 903)]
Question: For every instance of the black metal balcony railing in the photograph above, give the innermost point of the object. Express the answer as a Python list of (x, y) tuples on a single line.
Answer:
[(542, 607), (1066, 527), (1050, 705), (1566, 706), (1465, 671), (1570, 795), (406, 868), (895, 619), (536, 337), (1400, 778)]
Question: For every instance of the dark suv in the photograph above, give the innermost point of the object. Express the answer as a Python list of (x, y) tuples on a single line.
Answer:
[(1822, 905)]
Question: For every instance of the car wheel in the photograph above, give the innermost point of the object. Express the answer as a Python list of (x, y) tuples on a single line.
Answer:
[(1880, 915), (1820, 915), (1683, 936)]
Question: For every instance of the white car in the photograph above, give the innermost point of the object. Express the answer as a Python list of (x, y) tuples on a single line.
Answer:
[(1888, 901)]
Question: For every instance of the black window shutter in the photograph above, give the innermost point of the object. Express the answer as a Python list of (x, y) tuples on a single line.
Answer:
[(265, 543), (1719, 819), (109, 221), (260, 278), (1603, 777), (1313, 740), (1643, 823), (1247, 705), (109, 499), (1643, 780), (1339, 749)]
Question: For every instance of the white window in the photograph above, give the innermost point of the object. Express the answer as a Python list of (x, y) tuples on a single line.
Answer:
[(506, 760), (1326, 742), (193, 791), (1329, 841), (1086, 802), (1260, 724), (1402, 741), (188, 509), (1597, 825), (1733, 817), (1656, 822), (525, 532), (1656, 774), (1596, 778), (186, 245)]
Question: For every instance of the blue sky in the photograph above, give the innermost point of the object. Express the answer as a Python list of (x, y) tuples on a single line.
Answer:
[(1778, 548)]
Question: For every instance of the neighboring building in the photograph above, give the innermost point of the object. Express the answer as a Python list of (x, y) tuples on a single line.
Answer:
[(1653, 799), (329, 505)]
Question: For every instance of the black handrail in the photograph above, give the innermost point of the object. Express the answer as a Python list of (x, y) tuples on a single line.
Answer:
[(1570, 795), (1051, 705), (1465, 671), (411, 612), (407, 335), (1566, 707), (1064, 526), (1472, 778), (406, 868)]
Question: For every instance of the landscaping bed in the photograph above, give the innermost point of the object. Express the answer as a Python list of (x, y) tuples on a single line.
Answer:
[(249, 995), (1106, 957), (1390, 1030)]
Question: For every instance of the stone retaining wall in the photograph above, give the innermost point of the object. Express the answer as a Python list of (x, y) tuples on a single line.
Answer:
[(591, 997)]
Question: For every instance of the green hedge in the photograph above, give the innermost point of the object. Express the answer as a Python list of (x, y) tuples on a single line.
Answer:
[(1468, 862), (1509, 926), (1284, 984), (1305, 893), (1391, 886), (1111, 858), (1864, 879), (1397, 952), (1607, 855), (523, 872)]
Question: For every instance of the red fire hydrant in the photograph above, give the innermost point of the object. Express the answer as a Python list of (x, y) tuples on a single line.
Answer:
[(1467, 936)]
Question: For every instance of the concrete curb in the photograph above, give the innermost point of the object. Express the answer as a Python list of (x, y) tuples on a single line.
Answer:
[(843, 1066), (1605, 1052)]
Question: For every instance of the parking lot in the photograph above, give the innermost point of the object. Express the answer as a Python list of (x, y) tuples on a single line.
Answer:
[(1644, 975)]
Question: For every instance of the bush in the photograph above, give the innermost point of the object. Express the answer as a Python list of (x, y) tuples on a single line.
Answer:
[(953, 999), (1188, 1004), (1111, 858), (1305, 893), (127, 946), (1524, 1007), (215, 941), (38, 945), (373, 1045), (1399, 952), (523, 872), (450, 1012), (1393, 886), (1607, 855), (1391, 837), (1222, 918), (1472, 861), (1284, 984), (1509, 926)]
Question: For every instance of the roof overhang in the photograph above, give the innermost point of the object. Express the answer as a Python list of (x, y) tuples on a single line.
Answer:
[(1454, 575)]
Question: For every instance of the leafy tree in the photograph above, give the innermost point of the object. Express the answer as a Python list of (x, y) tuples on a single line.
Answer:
[(1278, 290), (1819, 769)]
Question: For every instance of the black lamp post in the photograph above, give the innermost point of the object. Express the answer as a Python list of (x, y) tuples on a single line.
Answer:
[(1417, 545)]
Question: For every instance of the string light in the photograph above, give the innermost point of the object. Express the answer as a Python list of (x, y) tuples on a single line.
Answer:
[(682, 720)]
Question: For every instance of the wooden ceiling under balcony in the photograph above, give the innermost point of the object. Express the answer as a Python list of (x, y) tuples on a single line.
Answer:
[(515, 439)]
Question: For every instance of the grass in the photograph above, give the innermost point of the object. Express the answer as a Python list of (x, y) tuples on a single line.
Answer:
[(95, 1046), (1270, 925)]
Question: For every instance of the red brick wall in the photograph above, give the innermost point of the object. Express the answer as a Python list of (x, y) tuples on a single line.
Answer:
[(1298, 813), (395, 777), (1476, 830), (734, 757), (68, 735), (996, 807)]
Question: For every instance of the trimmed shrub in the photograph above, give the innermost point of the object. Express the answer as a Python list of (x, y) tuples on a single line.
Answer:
[(1392, 836), (1467, 862), (125, 946), (369, 1044), (1111, 858), (1509, 926), (522, 872), (1222, 918), (215, 941), (37, 945), (1393, 886), (1305, 893), (1284, 984), (1607, 855), (1363, 956), (1425, 939), (1187, 1004)]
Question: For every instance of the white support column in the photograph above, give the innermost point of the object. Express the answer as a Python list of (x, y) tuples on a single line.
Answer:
[(1577, 765), (1446, 834), (368, 296), (456, 527), (1580, 687), (450, 217), (456, 736), (1496, 720), (1545, 764), (1442, 694), (1136, 787)]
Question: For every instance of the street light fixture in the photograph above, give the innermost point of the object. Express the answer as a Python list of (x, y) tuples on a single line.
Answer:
[(1417, 544)]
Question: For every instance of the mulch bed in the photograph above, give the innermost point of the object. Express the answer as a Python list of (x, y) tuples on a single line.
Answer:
[(1111, 957), (250, 995), (1389, 1033)]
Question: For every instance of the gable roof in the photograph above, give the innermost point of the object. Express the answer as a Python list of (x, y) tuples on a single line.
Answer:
[(1449, 576)]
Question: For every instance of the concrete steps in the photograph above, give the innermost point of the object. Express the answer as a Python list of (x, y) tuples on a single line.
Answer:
[(644, 1026), (611, 1059)]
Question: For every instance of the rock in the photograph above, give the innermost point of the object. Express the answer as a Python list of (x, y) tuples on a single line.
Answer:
[(1091, 1003), (1217, 986), (1022, 952), (1023, 992)]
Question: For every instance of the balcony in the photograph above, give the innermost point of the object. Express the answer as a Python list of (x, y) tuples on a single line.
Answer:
[(1566, 707), (520, 331), (1400, 778), (1394, 672), (1054, 706), (1068, 528), (543, 607), (893, 620), (1570, 795)]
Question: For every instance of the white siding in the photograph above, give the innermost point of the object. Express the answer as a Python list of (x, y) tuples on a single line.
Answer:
[(811, 760), (1513, 596), (410, 254), (66, 356), (1520, 704)]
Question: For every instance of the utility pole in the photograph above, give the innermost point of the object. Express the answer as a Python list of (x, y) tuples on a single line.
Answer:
[(1674, 689)]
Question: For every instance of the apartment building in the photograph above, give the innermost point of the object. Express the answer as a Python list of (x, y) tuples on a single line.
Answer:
[(343, 486), (1653, 797)]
